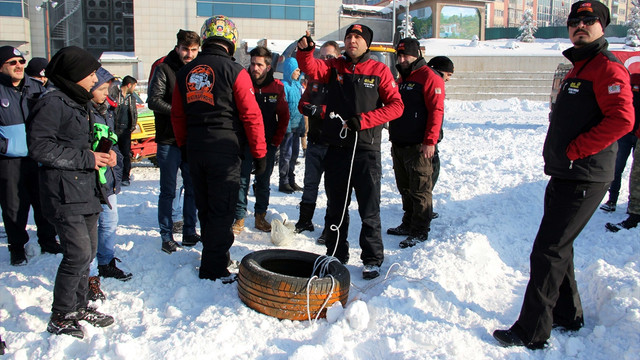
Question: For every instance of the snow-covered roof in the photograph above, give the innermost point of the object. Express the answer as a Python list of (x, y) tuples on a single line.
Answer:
[(367, 8)]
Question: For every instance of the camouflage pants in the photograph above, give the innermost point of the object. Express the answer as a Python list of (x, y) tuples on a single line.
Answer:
[(634, 184)]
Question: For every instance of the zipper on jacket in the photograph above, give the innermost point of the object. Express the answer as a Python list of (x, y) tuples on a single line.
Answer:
[(570, 164)]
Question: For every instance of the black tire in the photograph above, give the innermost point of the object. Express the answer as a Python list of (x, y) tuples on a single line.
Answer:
[(274, 282)]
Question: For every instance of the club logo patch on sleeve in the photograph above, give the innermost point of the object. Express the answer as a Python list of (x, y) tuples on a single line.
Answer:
[(438, 91), (614, 89), (200, 81)]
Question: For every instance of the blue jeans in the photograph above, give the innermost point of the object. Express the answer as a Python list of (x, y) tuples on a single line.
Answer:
[(626, 144), (262, 183), (107, 225), (170, 160), (313, 170), (176, 206), (289, 149)]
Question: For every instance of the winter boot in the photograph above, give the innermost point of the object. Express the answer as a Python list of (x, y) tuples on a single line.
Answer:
[(112, 271), (261, 223), (285, 188), (237, 227), (65, 324), (295, 186), (50, 247), (190, 240), (18, 256), (609, 206), (177, 227), (414, 239), (94, 293), (402, 230), (629, 223), (306, 215), (95, 318)]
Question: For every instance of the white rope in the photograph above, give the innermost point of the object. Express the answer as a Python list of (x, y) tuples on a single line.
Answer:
[(321, 264)]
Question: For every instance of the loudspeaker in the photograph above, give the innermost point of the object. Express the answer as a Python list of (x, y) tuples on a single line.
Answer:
[(97, 10), (117, 9), (98, 35)]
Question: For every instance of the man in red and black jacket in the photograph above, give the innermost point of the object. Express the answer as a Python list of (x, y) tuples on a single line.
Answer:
[(593, 110), (214, 113), (275, 114), (313, 106), (363, 93), (414, 137)]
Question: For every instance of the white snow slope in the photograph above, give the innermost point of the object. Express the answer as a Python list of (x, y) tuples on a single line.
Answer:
[(442, 300)]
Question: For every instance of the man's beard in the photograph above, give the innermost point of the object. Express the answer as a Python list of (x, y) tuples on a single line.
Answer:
[(259, 79)]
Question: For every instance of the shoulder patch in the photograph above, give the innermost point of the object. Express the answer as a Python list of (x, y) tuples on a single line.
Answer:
[(614, 88), (200, 82), (438, 91)]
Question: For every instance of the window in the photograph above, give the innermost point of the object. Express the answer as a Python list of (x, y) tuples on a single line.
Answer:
[(11, 8), (257, 9)]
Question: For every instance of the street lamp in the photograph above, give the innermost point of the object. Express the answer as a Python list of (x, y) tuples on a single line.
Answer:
[(47, 35)]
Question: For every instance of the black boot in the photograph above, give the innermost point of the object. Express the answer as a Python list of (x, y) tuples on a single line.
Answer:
[(306, 215)]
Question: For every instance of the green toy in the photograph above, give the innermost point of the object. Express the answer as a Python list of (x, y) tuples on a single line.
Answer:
[(102, 131)]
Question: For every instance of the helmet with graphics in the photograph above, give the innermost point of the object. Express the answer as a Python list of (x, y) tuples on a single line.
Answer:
[(222, 28)]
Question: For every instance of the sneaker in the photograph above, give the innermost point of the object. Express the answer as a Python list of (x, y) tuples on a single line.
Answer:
[(111, 271), (18, 257), (261, 223), (401, 230), (177, 227), (190, 240), (370, 272), (434, 215), (413, 240), (65, 324), (286, 188), (322, 239), (170, 246), (50, 247), (94, 317), (609, 206), (509, 338), (238, 226), (94, 293), (629, 223), (295, 187), (125, 183)]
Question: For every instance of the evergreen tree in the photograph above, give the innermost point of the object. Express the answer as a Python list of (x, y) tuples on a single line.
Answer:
[(406, 28), (633, 34), (528, 26)]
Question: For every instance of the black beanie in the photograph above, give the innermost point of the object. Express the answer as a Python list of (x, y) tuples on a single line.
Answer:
[(36, 66), (361, 30), (441, 63), (590, 8), (7, 52), (72, 63), (408, 46)]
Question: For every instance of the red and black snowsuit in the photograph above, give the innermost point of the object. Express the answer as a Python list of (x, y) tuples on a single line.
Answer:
[(422, 91), (594, 109), (364, 89), (214, 113)]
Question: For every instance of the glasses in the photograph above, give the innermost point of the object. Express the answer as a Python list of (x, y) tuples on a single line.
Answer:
[(327, 57), (587, 21), (14, 62)]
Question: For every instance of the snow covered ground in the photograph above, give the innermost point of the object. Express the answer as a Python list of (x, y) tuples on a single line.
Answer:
[(440, 300)]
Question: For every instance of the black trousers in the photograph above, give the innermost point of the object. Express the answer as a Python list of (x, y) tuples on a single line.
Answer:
[(79, 239), (414, 180), (365, 180), (216, 182), (19, 189), (552, 293), (124, 145)]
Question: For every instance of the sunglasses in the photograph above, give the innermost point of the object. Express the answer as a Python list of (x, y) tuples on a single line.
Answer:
[(14, 62), (327, 57), (587, 21)]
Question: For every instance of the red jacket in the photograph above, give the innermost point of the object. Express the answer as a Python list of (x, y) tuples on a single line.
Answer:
[(275, 111), (423, 95), (593, 110), (214, 106), (365, 89)]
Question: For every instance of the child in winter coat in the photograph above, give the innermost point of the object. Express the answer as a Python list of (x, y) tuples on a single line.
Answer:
[(290, 146)]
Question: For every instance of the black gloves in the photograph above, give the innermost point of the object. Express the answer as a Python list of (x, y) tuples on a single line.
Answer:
[(310, 44), (311, 110), (353, 123), (183, 153), (259, 165)]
